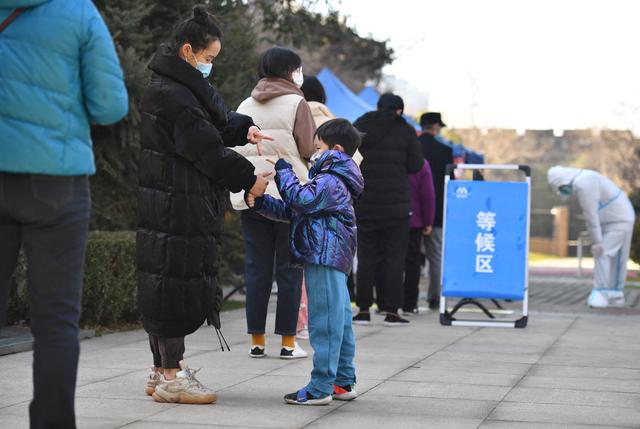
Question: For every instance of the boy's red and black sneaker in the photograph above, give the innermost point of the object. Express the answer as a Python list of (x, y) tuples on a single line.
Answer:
[(344, 393), (302, 397)]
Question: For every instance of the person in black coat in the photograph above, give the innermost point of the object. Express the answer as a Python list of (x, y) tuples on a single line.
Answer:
[(390, 153), (185, 171), (439, 156)]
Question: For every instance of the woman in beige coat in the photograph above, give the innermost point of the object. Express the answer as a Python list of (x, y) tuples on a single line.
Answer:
[(278, 107)]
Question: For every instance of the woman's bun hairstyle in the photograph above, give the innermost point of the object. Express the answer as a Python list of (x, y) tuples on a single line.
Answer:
[(199, 30), (200, 14)]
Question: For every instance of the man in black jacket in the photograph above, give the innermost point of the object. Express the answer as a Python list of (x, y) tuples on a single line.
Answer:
[(439, 155), (390, 153)]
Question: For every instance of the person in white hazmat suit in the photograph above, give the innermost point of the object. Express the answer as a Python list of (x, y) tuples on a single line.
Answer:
[(610, 217)]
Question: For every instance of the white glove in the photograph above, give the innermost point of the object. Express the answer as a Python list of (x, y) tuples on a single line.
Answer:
[(597, 250)]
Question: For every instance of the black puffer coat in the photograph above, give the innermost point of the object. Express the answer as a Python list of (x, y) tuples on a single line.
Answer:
[(185, 170), (390, 152)]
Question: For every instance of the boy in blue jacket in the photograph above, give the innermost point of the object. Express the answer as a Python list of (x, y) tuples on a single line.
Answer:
[(323, 238)]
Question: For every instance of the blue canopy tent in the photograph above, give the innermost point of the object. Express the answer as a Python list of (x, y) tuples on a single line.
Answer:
[(472, 157), (459, 150), (370, 95), (340, 99)]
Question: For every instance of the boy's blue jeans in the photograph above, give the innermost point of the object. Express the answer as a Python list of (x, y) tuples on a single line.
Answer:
[(330, 330)]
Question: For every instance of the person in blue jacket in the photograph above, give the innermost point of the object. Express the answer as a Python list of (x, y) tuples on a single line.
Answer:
[(59, 73), (323, 238)]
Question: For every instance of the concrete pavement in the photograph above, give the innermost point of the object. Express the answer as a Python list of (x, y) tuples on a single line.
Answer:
[(565, 370)]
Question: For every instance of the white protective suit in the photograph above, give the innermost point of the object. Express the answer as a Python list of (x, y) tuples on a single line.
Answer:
[(610, 217)]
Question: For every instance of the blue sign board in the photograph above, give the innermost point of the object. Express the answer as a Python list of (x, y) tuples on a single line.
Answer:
[(485, 240)]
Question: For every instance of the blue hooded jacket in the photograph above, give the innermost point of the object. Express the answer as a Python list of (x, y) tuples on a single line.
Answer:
[(59, 72), (323, 221)]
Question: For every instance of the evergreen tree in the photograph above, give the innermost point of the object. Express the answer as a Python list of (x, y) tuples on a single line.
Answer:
[(116, 147)]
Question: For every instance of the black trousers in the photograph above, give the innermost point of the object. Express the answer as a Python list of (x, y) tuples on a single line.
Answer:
[(382, 247), (48, 216), (267, 241), (412, 266), (167, 352), (351, 286)]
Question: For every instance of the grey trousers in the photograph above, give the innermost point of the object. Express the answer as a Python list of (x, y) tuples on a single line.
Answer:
[(167, 352), (433, 245)]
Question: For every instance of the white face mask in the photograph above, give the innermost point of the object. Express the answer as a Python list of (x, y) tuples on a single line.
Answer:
[(314, 158), (298, 77)]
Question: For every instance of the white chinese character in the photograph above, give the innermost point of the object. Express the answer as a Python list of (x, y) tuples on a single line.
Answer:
[(483, 264), (485, 242), (486, 220)]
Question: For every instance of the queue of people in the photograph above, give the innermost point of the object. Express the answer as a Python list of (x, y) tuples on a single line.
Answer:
[(283, 157), (312, 190)]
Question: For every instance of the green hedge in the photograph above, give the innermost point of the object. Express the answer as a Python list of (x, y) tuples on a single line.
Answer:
[(109, 294)]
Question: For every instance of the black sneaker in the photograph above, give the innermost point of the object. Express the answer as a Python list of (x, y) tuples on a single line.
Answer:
[(393, 319), (362, 318), (434, 304), (302, 397), (257, 352), (296, 352), (410, 312)]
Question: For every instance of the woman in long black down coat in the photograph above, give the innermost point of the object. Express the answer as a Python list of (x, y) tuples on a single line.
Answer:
[(185, 169)]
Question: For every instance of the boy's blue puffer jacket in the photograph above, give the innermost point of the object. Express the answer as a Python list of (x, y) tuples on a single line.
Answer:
[(58, 73), (323, 222)]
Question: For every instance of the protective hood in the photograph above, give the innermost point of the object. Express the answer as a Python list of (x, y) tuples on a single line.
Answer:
[(270, 88), (558, 176), (12, 4), (342, 165)]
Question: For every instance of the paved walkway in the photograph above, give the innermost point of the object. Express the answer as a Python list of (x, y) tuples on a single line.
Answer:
[(565, 293), (579, 370)]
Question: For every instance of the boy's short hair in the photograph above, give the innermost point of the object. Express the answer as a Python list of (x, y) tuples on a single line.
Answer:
[(340, 132)]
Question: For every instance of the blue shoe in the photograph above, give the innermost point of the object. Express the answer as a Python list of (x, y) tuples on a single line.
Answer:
[(302, 397)]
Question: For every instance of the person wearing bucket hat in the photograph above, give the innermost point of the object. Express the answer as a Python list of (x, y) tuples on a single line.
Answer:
[(432, 118), (439, 156)]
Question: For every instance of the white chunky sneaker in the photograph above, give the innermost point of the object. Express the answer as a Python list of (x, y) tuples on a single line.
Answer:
[(184, 389), (153, 380)]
